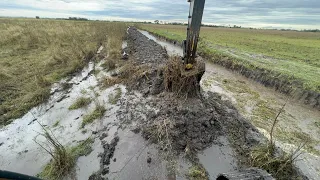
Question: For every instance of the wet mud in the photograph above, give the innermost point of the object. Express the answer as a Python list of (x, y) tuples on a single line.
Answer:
[(185, 125)]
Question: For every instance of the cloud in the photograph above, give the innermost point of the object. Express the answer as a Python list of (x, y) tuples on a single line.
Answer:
[(297, 14)]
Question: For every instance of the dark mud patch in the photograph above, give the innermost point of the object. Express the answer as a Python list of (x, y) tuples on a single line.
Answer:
[(106, 157), (144, 50), (187, 126)]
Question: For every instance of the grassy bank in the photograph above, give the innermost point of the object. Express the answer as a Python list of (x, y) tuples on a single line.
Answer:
[(36, 53), (288, 61)]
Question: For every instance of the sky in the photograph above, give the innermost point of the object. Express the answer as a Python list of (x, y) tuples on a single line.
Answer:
[(289, 14)]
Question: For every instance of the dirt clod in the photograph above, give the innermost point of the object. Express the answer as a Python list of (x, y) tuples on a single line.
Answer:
[(105, 171), (106, 156), (104, 135)]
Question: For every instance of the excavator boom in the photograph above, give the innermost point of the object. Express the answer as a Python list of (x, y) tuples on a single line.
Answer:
[(193, 30)]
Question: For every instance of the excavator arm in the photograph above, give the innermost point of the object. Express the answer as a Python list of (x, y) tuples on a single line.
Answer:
[(193, 31)]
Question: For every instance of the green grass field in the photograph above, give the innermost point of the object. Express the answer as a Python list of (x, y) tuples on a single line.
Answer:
[(36, 53), (288, 54)]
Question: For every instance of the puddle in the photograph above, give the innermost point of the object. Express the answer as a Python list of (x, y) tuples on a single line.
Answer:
[(131, 156), (218, 158), (86, 165), (172, 50)]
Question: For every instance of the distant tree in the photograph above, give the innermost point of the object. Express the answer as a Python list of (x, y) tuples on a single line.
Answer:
[(156, 21), (37, 17)]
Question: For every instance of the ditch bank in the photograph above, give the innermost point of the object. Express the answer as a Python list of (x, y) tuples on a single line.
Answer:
[(285, 84)]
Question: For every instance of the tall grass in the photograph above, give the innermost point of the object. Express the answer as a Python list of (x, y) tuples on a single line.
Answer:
[(36, 53)]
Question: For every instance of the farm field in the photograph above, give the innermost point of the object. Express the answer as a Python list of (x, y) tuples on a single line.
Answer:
[(35, 53), (292, 58)]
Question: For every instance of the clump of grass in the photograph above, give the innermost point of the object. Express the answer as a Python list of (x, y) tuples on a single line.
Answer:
[(80, 103), (96, 114), (107, 82), (110, 64), (317, 124), (114, 98), (279, 164), (129, 73), (63, 159), (82, 149), (63, 163), (83, 91), (198, 172), (56, 124)]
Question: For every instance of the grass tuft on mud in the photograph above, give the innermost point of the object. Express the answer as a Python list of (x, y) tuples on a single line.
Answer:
[(56, 124), (59, 168), (279, 164), (96, 114), (109, 65), (35, 53), (197, 172), (63, 159), (80, 103), (114, 97)]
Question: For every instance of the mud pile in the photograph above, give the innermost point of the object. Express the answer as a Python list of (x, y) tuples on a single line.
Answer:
[(144, 50), (183, 124), (188, 125)]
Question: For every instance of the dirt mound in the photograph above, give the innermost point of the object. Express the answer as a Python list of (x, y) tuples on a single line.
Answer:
[(145, 50), (188, 125), (181, 124)]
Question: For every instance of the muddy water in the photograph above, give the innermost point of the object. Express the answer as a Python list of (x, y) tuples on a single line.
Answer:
[(260, 105), (20, 153), (172, 50)]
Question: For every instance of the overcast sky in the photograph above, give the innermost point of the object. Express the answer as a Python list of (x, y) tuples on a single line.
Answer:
[(296, 14)]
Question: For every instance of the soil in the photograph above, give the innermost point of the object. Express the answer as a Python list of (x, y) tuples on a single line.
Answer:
[(183, 124), (106, 157), (144, 50)]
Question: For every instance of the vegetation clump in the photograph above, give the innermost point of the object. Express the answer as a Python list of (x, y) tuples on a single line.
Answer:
[(63, 159), (56, 124), (114, 98), (80, 103), (197, 172), (279, 164), (96, 114), (109, 65)]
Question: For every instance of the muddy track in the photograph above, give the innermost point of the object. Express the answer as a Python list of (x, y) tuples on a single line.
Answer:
[(281, 83)]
